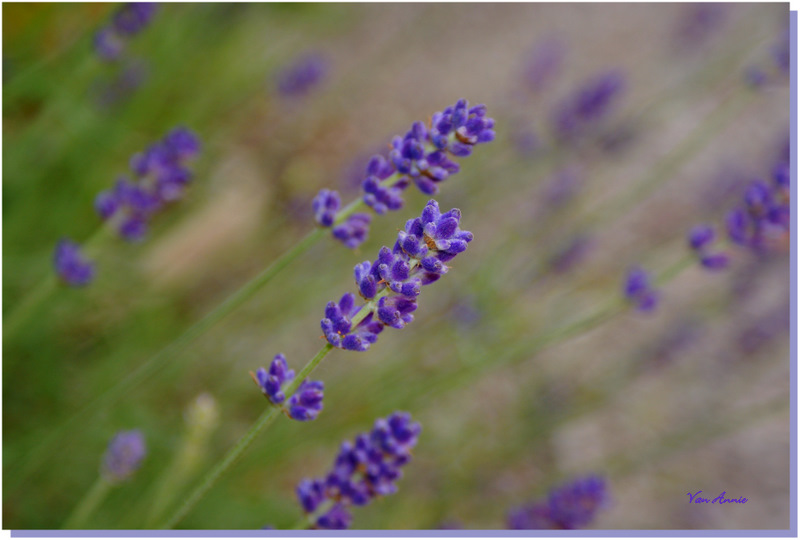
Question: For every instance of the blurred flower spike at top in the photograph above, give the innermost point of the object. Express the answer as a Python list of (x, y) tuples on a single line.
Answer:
[(124, 456), (127, 21), (391, 283), (639, 290), (366, 468), (72, 266), (700, 239), (699, 22), (763, 220), (301, 76), (160, 177), (570, 506), (423, 156), (304, 405), (589, 104), (543, 63)]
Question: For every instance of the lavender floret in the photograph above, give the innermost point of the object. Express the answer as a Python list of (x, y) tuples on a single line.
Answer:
[(570, 506), (303, 75), (364, 469), (271, 382), (639, 290), (354, 231), (700, 239), (306, 403), (124, 455), (579, 112), (325, 206), (72, 266)]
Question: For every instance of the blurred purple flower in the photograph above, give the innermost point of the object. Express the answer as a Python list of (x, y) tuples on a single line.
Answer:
[(570, 506), (543, 63), (700, 240), (72, 267), (639, 290), (160, 178), (124, 455), (590, 103), (302, 75)]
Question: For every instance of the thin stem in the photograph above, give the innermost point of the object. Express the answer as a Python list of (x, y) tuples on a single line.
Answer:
[(88, 504), (234, 453)]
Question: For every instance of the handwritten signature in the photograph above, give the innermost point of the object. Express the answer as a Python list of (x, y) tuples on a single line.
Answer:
[(720, 499)]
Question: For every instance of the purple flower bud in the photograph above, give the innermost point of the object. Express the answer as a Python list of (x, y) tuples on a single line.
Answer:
[(354, 231), (106, 204), (124, 455), (701, 236), (272, 381), (133, 17), (325, 206), (639, 291), (304, 74), (543, 64), (306, 403), (72, 267), (716, 261), (571, 506), (588, 105), (107, 44)]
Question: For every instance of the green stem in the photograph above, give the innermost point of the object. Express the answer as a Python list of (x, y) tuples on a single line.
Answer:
[(244, 443), (88, 504)]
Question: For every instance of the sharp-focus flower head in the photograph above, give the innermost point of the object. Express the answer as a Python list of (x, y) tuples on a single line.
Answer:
[(393, 281), (639, 290), (124, 455), (160, 177), (570, 506), (303, 75), (423, 157), (365, 468), (72, 267)]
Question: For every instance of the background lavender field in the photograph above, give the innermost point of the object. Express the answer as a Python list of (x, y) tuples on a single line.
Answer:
[(694, 396)]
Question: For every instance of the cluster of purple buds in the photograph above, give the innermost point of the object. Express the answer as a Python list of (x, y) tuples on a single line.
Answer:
[(764, 218), (353, 231), (366, 468), (639, 290), (72, 266), (304, 74), (305, 404), (422, 157), (580, 111), (124, 456), (571, 506), (160, 178), (392, 282), (128, 20), (701, 238)]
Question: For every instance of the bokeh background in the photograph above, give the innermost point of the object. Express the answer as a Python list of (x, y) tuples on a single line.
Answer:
[(692, 397)]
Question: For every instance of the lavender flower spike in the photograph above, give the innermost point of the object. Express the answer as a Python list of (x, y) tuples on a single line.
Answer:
[(124, 456), (366, 468), (393, 281), (588, 105), (72, 267), (160, 177), (639, 290), (570, 506), (302, 75)]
